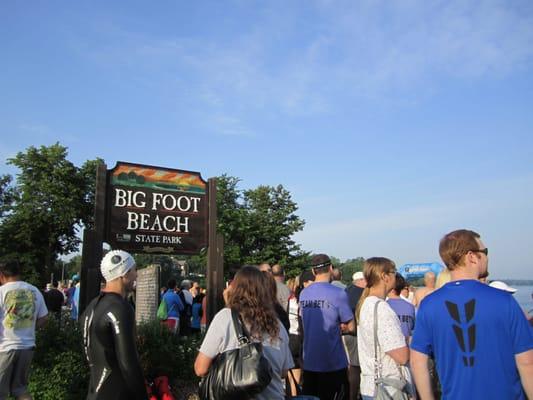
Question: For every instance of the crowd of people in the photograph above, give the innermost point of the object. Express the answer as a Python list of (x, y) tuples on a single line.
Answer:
[(457, 337), (186, 307), (59, 297)]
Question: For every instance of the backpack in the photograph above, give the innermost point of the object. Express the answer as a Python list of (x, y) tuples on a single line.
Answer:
[(187, 308), (162, 310)]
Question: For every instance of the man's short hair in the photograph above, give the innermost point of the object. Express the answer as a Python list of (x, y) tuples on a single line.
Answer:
[(401, 284), (171, 284), (336, 274), (430, 276), (277, 270), (10, 268), (264, 267), (455, 245), (185, 284), (320, 263), (306, 276)]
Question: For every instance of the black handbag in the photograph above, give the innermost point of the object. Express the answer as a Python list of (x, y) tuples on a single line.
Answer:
[(237, 374)]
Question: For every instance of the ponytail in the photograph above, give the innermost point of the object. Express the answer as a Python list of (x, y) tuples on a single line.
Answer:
[(364, 295), (373, 270)]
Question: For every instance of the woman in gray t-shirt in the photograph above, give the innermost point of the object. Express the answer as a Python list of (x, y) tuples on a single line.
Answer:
[(249, 295)]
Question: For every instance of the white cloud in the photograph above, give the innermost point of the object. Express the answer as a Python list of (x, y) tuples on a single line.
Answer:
[(366, 49)]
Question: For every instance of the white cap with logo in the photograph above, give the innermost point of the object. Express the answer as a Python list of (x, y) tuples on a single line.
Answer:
[(115, 264)]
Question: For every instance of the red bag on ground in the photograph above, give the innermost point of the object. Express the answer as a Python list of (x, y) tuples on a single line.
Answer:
[(163, 388), (151, 396)]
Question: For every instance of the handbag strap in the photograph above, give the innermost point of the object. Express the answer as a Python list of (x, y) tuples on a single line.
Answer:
[(377, 364), (296, 384), (240, 331)]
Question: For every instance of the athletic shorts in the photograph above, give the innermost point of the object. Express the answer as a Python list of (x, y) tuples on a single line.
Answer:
[(14, 372)]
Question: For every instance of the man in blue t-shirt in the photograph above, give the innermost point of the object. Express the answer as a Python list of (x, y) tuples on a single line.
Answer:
[(325, 313), (482, 344), (403, 309)]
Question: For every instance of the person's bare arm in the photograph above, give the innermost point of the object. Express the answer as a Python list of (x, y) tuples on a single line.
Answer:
[(399, 355), (524, 363), (348, 327), (202, 364), (419, 296), (41, 321), (419, 366)]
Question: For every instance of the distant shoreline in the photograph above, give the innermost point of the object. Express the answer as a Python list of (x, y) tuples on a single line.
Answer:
[(515, 282)]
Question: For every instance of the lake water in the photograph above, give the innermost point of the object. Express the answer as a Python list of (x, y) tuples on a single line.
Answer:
[(523, 297)]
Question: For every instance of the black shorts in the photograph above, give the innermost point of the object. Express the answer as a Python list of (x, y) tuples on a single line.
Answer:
[(331, 385), (295, 345)]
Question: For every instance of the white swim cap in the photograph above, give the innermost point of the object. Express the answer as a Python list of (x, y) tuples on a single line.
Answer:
[(115, 264)]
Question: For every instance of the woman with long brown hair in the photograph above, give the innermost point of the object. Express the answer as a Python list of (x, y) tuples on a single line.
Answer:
[(250, 296), (380, 275)]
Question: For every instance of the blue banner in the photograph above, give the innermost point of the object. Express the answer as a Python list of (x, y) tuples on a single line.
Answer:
[(416, 271)]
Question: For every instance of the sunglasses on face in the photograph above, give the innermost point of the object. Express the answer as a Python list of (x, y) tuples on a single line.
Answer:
[(484, 251)]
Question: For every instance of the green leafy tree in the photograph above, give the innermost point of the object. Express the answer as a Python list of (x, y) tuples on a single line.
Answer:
[(258, 225), (272, 221), (8, 195), (349, 267), (232, 221), (72, 266), (54, 200), (169, 265)]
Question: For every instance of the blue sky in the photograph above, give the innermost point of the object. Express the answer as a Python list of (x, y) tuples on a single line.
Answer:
[(391, 122)]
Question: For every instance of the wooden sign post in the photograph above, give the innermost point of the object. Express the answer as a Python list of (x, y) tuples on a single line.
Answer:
[(148, 209)]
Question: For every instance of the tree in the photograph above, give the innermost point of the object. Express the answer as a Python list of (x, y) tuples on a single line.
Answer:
[(55, 199), (167, 263), (272, 222), (349, 267), (232, 221), (72, 266), (7, 195), (258, 225)]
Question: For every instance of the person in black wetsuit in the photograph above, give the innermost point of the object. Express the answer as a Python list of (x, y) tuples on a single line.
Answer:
[(108, 334)]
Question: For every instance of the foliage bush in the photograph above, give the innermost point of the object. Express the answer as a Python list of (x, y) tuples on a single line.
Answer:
[(163, 353), (60, 371)]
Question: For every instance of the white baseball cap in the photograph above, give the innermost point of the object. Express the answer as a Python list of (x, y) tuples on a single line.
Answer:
[(358, 275), (502, 286), (115, 264)]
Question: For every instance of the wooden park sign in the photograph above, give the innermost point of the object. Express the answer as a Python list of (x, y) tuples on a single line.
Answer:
[(156, 210)]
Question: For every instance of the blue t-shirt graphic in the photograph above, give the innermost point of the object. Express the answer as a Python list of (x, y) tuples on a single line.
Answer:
[(323, 307), (474, 332)]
